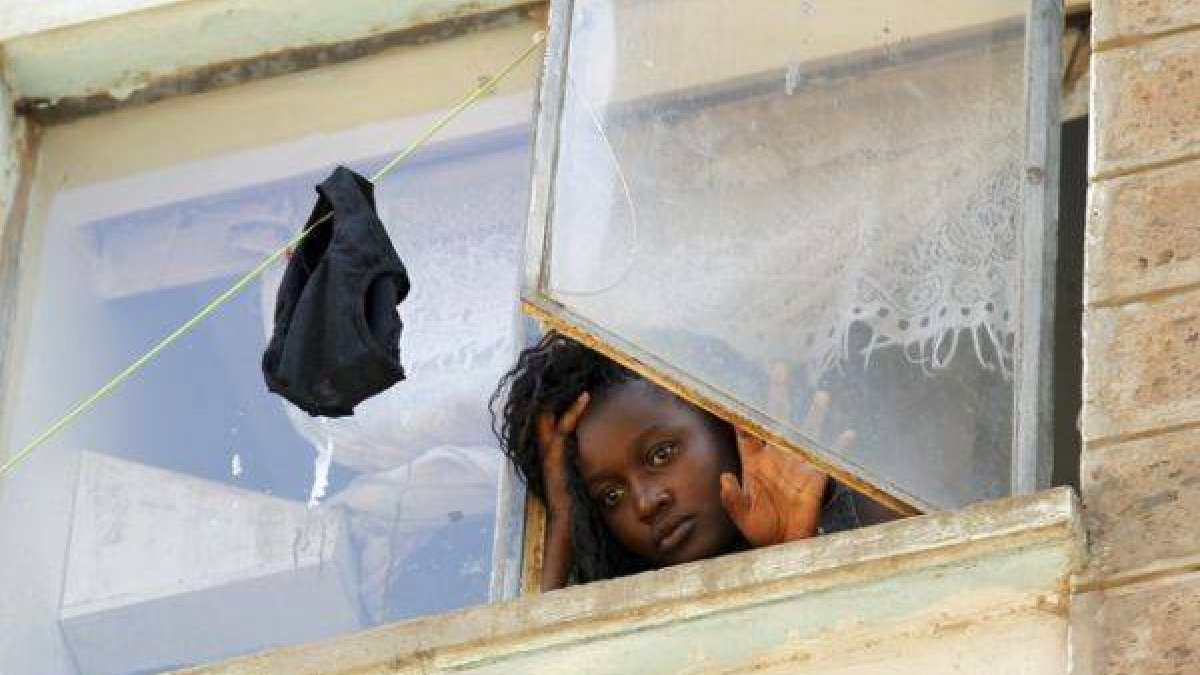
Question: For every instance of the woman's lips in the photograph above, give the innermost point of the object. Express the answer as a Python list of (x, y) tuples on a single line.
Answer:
[(676, 534)]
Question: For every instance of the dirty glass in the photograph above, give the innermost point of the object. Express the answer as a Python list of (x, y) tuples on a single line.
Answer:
[(778, 196), (193, 516)]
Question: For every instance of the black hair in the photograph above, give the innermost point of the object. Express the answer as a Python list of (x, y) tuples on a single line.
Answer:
[(550, 376)]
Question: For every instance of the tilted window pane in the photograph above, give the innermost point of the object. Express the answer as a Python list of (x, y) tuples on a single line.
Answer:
[(828, 190), (192, 515)]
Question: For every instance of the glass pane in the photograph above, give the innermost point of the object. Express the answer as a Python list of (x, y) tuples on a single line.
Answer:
[(824, 190), (192, 515)]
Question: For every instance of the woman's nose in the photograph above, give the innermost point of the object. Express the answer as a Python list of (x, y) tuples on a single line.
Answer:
[(650, 498)]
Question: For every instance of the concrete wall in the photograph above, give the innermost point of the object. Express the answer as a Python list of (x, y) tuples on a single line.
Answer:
[(1138, 604), (980, 590)]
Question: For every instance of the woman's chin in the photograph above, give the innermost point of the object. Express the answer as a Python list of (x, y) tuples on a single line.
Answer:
[(701, 548)]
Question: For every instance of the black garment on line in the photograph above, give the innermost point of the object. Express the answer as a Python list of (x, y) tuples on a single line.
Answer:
[(337, 334)]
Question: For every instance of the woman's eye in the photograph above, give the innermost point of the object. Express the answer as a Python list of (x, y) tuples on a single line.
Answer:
[(661, 454), (611, 497)]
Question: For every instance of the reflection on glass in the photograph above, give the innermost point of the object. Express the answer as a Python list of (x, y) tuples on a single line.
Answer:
[(827, 188), (182, 521)]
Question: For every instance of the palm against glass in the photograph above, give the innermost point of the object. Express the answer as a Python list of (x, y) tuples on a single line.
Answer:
[(779, 497)]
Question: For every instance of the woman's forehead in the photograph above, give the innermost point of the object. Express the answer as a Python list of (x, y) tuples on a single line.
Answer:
[(614, 424), (627, 403)]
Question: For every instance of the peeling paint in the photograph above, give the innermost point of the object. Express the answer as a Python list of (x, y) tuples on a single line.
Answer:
[(142, 88), (195, 45)]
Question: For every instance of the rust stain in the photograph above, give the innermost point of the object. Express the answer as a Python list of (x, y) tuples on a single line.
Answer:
[(534, 546), (1059, 603)]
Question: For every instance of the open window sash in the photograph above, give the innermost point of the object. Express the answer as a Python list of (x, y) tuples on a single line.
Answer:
[(743, 200)]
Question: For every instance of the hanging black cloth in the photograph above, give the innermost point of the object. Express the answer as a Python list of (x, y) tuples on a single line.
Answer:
[(337, 334)]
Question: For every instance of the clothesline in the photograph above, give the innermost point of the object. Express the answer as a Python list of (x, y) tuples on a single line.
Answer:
[(82, 407)]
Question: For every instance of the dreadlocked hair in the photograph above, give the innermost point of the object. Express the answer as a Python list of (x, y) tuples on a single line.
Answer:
[(549, 377)]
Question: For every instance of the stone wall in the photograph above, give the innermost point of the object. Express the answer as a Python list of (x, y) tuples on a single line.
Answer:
[(1137, 608)]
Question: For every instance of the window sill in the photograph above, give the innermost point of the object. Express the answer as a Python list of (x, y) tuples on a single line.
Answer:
[(972, 587)]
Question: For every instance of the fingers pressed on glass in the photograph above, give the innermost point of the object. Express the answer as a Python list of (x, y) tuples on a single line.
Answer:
[(847, 440), (818, 410), (779, 392)]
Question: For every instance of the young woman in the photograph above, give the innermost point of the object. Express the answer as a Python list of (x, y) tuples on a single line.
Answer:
[(635, 478)]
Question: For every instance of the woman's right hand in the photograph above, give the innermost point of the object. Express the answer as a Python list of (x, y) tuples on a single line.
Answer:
[(552, 435)]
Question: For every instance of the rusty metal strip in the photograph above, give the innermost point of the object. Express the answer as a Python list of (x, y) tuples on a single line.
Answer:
[(534, 553), (553, 317)]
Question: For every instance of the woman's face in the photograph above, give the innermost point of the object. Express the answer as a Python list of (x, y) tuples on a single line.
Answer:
[(652, 464)]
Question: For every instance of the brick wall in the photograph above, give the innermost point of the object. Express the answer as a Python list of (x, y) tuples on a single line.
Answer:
[(1137, 607)]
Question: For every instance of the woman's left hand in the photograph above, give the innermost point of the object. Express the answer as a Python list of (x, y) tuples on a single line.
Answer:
[(779, 497)]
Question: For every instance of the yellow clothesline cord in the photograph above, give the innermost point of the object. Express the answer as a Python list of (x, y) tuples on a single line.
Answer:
[(81, 407)]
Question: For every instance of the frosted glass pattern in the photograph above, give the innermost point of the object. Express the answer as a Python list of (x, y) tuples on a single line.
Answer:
[(194, 516), (826, 191)]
